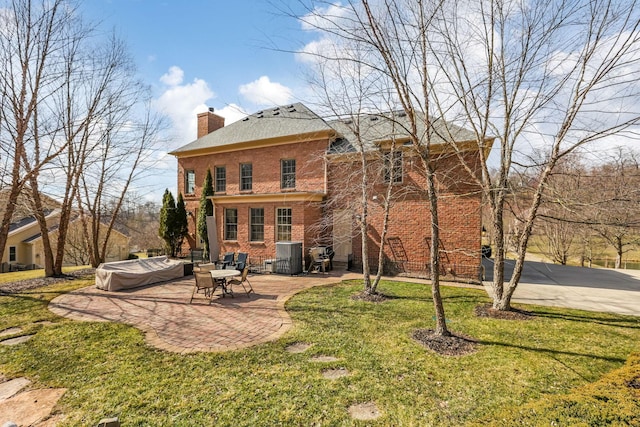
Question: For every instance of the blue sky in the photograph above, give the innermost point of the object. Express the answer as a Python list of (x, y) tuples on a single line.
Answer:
[(206, 53), (236, 56)]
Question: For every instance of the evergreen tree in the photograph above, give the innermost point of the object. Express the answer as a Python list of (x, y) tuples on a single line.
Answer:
[(168, 222), (205, 209), (182, 227)]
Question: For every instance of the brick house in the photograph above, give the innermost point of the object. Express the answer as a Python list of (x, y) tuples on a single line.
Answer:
[(285, 174)]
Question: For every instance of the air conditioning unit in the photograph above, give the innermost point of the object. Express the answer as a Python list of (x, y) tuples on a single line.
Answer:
[(289, 257)]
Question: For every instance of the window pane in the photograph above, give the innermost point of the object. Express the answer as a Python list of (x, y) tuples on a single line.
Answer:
[(393, 166), (230, 224), (12, 254), (190, 182), (283, 224), (246, 172), (288, 173), (221, 179), (257, 225)]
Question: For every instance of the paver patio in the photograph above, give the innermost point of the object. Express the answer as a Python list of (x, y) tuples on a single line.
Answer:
[(170, 323)]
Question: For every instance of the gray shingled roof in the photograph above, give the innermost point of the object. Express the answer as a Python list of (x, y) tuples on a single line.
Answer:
[(376, 128), (288, 120), (22, 222), (297, 119)]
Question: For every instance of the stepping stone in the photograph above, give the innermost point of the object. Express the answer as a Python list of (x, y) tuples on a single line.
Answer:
[(333, 374), (10, 331), (299, 347), (16, 340), (364, 411), (11, 387), (324, 359), (31, 406)]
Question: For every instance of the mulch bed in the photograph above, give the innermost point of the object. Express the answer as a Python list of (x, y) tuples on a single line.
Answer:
[(24, 285), (486, 310), (370, 297), (452, 345)]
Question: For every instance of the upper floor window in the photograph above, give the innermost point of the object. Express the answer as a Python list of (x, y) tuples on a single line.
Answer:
[(221, 179), (231, 224), (13, 256), (283, 224), (246, 176), (189, 182), (288, 173), (256, 225), (393, 166)]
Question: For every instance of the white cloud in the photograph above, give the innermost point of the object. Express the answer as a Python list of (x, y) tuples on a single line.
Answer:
[(173, 77), (323, 18), (231, 113), (181, 103), (264, 92)]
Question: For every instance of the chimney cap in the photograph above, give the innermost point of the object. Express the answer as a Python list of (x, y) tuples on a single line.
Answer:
[(211, 109)]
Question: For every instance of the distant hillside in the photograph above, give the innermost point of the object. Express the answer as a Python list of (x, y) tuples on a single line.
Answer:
[(23, 205)]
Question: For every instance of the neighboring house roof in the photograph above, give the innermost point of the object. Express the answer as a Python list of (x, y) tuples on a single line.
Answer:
[(28, 221), (23, 204), (23, 222), (373, 129), (32, 238), (55, 227), (277, 122)]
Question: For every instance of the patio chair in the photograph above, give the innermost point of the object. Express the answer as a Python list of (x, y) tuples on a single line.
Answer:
[(318, 262), (228, 259), (242, 281), (241, 262), (206, 282)]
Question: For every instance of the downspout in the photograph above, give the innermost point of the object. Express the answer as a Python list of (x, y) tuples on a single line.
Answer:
[(212, 235)]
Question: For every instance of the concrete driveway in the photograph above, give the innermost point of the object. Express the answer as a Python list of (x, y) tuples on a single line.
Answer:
[(594, 289)]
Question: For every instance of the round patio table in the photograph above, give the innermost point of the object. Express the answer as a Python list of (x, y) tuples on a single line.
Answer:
[(221, 276)]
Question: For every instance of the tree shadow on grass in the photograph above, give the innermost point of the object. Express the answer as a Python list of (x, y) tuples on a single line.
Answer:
[(629, 322), (550, 352)]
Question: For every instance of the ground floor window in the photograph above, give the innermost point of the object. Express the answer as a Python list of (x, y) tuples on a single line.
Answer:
[(12, 254), (256, 218), (231, 224), (283, 224)]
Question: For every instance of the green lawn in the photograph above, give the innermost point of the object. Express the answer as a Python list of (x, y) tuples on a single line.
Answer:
[(110, 371), (33, 274)]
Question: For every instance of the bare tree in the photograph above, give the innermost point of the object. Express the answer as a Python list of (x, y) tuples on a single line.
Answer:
[(553, 76), (32, 37), (125, 139), (536, 77), (600, 201), (349, 92), (69, 98), (393, 37), (615, 213), (94, 78), (558, 238)]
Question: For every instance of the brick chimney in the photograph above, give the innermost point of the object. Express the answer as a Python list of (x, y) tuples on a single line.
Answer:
[(208, 122)]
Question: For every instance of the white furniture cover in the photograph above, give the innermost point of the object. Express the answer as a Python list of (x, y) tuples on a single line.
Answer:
[(114, 276)]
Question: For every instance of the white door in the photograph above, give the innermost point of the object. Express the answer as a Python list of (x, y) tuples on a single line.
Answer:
[(342, 232)]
